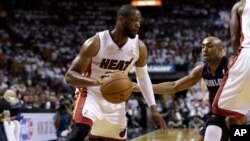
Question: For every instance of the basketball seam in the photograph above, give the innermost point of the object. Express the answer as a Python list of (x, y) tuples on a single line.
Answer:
[(115, 101), (103, 87), (120, 91)]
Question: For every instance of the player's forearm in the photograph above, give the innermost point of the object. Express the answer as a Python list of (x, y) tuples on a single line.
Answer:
[(235, 39), (235, 30), (145, 85), (79, 80), (235, 45), (164, 88)]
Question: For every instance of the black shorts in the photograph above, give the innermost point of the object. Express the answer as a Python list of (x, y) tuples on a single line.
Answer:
[(218, 121)]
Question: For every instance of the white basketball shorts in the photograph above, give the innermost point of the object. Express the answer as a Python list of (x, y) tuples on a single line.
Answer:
[(233, 97)]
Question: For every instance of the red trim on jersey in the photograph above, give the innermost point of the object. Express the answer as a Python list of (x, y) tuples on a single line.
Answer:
[(215, 108), (93, 137), (88, 71)]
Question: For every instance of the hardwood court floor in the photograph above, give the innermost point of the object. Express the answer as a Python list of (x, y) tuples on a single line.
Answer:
[(170, 135)]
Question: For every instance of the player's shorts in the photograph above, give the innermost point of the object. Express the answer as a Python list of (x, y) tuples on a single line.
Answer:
[(218, 121), (107, 119), (233, 96), (107, 130)]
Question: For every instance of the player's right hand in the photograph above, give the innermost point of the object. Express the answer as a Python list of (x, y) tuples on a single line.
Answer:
[(157, 119), (106, 74)]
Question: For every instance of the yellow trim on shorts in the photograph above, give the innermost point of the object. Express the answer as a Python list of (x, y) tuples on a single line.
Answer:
[(76, 105)]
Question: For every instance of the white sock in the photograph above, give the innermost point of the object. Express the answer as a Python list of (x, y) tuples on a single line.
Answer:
[(213, 133)]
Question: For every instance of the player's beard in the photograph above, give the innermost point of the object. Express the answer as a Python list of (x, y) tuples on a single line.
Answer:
[(129, 33)]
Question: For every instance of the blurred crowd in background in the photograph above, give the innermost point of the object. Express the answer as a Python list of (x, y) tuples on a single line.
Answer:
[(39, 38)]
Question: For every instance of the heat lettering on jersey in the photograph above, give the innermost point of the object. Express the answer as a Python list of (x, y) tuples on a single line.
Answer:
[(114, 64)]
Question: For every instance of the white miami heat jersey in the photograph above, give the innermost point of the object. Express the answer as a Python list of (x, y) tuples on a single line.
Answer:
[(246, 25), (111, 57)]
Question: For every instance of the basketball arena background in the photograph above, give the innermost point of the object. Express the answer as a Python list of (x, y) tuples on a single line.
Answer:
[(40, 38)]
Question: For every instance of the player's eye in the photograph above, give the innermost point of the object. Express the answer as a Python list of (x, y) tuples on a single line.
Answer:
[(135, 19)]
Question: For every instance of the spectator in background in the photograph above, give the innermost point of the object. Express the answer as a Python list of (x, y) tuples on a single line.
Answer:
[(10, 102), (62, 119), (133, 112), (175, 119), (4, 105), (196, 122), (143, 111), (3, 85), (3, 136), (8, 112), (9, 99)]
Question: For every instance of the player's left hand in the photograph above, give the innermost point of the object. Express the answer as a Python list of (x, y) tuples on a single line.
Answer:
[(136, 87), (158, 120)]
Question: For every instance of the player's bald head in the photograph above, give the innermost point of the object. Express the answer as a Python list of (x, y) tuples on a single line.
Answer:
[(126, 10), (212, 48), (214, 40)]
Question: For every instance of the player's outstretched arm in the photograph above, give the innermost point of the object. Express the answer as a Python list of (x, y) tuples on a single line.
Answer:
[(181, 84), (174, 86)]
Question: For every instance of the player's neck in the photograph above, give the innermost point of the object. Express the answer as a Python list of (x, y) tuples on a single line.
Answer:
[(213, 65), (213, 68), (118, 37)]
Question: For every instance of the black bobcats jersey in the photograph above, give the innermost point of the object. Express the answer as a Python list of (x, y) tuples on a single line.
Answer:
[(213, 81)]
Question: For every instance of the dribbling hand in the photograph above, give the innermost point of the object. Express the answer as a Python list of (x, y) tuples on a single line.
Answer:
[(158, 120), (106, 74)]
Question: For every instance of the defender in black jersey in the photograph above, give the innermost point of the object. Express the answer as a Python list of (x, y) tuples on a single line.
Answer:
[(213, 81), (211, 72)]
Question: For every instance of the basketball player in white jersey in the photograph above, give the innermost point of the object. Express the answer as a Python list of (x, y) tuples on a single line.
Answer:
[(233, 97), (119, 49)]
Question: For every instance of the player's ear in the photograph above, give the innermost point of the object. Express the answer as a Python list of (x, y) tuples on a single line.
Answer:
[(121, 19), (223, 52)]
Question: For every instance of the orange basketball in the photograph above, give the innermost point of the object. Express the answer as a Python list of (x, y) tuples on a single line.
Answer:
[(117, 88)]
